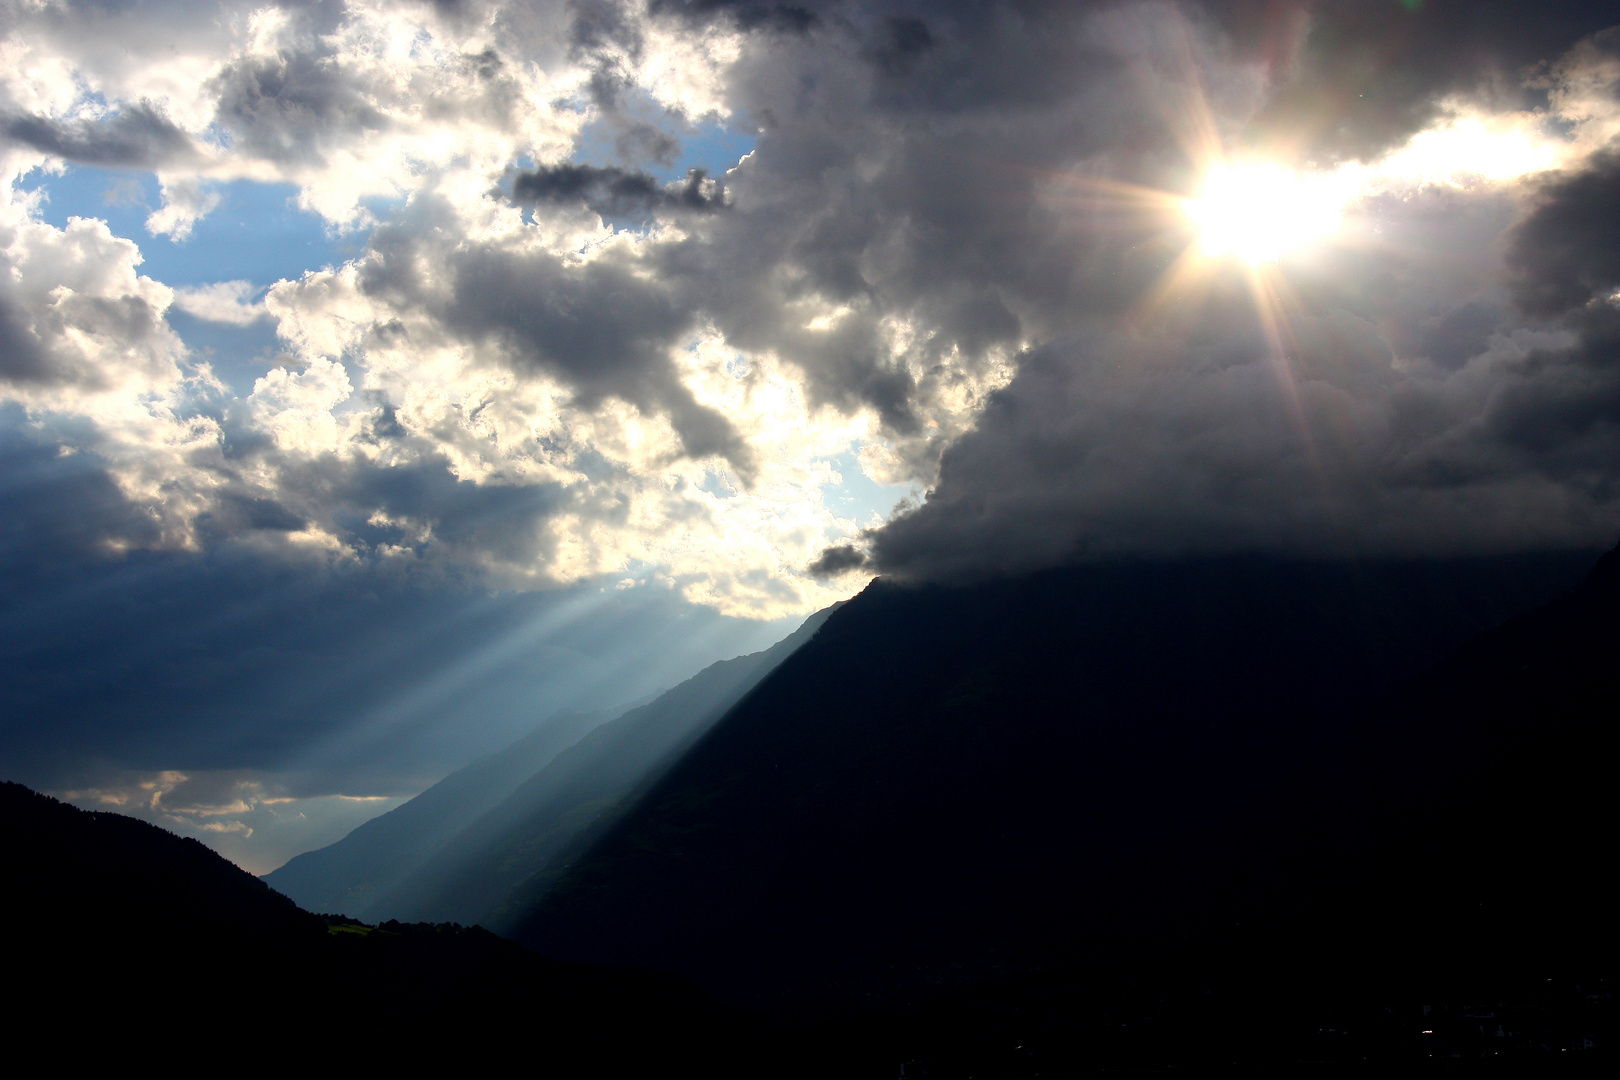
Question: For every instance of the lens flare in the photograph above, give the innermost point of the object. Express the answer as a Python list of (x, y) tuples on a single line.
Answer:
[(1255, 212)]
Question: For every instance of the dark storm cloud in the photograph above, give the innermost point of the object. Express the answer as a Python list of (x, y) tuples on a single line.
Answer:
[(60, 510), (1567, 252), (615, 192), (911, 168), (1559, 409), (604, 330), (597, 24), (478, 520), (181, 662), (235, 514), (22, 355), (1372, 72), (136, 136), (461, 11), (290, 108), (744, 14), (1114, 446), (1450, 338), (930, 166), (838, 559), (899, 45)]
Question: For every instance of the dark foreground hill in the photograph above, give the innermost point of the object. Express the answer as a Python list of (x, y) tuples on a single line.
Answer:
[(1146, 816), (461, 850), (126, 943)]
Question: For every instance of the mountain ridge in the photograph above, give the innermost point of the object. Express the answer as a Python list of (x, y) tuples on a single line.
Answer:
[(1004, 766)]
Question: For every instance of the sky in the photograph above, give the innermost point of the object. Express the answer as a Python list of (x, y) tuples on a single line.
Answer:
[(377, 379)]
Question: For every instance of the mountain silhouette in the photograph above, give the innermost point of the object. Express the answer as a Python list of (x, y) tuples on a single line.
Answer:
[(961, 784), (128, 942), (462, 850)]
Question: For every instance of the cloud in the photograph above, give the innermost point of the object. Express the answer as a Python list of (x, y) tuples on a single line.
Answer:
[(747, 14), (335, 677), (838, 559), (137, 135), (615, 192), (223, 302), (258, 820), (288, 107), (1113, 447), (539, 396), (1391, 397), (186, 200), (1356, 79), (954, 259), (954, 255), (1566, 253), (918, 214), (75, 313)]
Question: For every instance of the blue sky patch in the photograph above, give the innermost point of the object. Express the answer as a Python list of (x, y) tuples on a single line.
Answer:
[(256, 233), (710, 146), (859, 496), (239, 355)]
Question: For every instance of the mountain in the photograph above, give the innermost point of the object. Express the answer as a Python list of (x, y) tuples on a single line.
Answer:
[(111, 885), (1486, 784), (1238, 817), (376, 856), (509, 853), (457, 851), (957, 785), (127, 942)]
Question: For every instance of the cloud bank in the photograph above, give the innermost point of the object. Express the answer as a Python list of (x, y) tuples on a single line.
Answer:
[(650, 372), (686, 295)]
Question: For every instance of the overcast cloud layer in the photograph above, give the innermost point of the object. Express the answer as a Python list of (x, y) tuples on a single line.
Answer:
[(569, 338)]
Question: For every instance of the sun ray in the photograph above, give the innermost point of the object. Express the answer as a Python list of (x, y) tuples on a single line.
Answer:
[(1267, 289), (1185, 281)]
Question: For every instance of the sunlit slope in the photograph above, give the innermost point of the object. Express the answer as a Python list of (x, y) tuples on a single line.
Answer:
[(424, 859), (514, 850), (373, 872), (950, 782), (348, 876)]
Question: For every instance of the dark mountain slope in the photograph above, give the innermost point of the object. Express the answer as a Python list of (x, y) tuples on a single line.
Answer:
[(508, 851), (114, 885), (958, 782), (127, 942), (1487, 788), (375, 857)]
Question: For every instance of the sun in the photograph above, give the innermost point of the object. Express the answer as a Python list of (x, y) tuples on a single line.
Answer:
[(1260, 210)]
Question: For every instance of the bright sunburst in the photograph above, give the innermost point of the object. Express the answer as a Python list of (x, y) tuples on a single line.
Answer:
[(1257, 211)]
